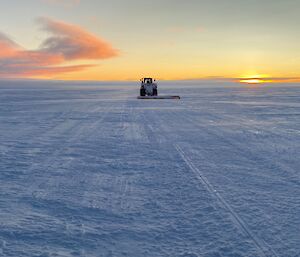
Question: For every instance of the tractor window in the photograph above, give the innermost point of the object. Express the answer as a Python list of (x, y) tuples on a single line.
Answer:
[(148, 80)]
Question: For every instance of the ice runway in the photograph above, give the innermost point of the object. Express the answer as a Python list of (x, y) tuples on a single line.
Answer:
[(89, 170)]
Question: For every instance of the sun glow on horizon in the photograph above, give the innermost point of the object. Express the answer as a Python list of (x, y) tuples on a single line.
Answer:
[(255, 78), (252, 81)]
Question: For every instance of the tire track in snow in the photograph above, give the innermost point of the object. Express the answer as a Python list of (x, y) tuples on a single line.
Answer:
[(244, 152), (73, 131), (78, 131), (260, 244), (264, 249), (120, 186), (248, 151)]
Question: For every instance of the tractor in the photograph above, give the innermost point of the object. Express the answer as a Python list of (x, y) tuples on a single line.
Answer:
[(148, 87), (148, 90)]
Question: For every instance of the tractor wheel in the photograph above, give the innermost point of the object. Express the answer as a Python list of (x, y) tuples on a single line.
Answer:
[(155, 92), (142, 92)]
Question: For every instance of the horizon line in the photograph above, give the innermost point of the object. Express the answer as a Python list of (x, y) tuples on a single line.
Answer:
[(215, 79)]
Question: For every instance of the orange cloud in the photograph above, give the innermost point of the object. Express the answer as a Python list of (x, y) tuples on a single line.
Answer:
[(66, 43)]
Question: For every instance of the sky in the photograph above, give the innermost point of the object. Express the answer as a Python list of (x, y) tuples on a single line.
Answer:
[(251, 40)]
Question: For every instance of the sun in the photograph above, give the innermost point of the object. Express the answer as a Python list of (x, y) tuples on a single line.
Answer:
[(252, 81), (254, 78)]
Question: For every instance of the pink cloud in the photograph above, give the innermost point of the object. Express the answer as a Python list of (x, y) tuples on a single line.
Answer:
[(65, 43), (7, 46), (73, 42)]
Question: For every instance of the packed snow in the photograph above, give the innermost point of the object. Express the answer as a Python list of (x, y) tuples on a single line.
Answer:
[(86, 169)]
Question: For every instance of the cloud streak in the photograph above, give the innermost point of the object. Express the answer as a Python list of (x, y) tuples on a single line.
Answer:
[(65, 43)]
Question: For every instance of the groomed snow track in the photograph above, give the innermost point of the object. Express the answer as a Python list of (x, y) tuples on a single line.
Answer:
[(89, 170)]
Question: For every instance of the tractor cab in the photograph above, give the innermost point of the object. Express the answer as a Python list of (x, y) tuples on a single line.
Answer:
[(147, 80)]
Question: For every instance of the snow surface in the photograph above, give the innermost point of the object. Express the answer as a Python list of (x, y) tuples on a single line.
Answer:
[(89, 170)]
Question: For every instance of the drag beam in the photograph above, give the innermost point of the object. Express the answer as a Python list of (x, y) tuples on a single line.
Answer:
[(159, 97)]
